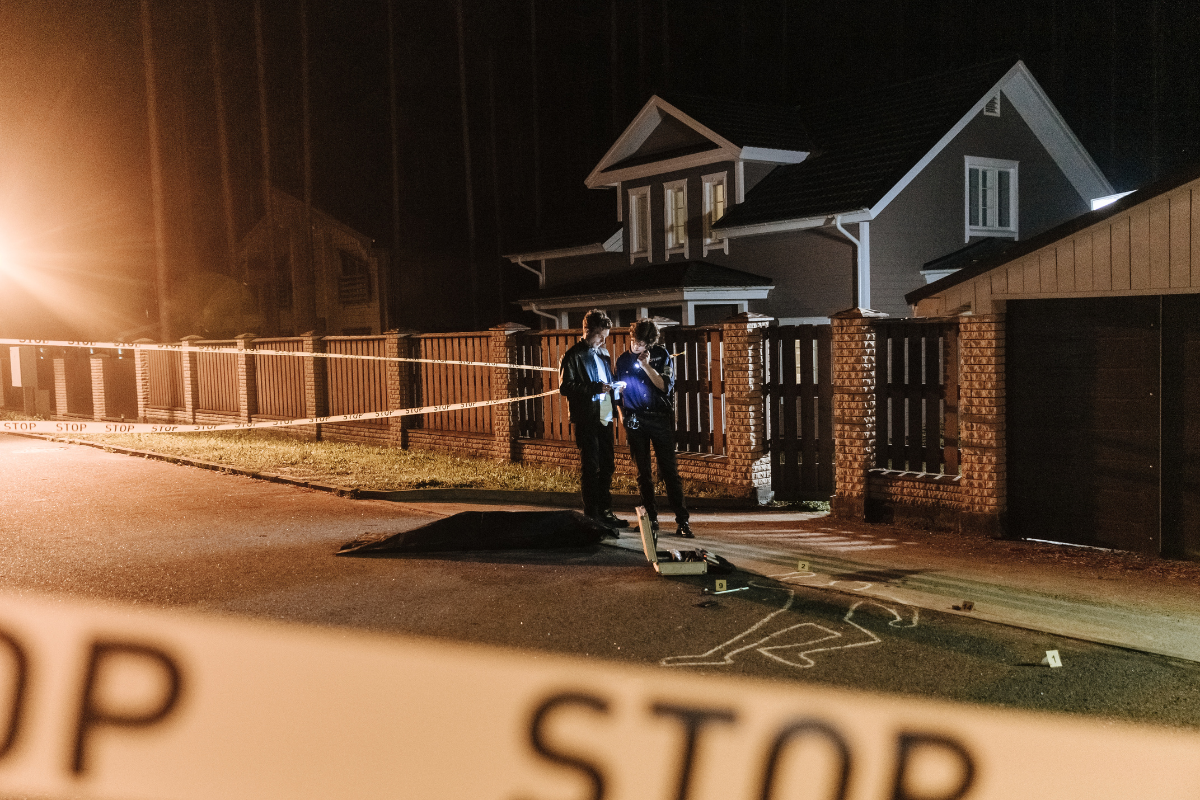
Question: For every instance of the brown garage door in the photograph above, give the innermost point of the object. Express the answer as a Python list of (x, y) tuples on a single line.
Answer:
[(1084, 461)]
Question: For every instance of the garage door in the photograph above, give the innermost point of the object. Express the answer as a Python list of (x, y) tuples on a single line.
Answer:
[(1084, 455)]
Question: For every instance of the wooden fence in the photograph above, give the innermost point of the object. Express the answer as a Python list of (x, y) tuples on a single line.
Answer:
[(916, 400), (279, 380), (798, 390), (441, 384)]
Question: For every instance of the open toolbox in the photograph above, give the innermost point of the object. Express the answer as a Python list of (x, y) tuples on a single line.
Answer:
[(669, 562)]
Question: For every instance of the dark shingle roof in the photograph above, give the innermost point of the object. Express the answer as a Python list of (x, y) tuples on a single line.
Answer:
[(866, 143), (672, 275), (746, 124)]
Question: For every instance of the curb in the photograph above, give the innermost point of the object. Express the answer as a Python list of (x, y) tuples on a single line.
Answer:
[(447, 495)]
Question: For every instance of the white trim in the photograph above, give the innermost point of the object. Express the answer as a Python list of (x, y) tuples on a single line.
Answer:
[(655, 297), (1000, 165), (637, 227), (669, 188), (773, 156), (710, 239), (636, 133), (562, 252), (739, 180), (785, 225), (1027, 99)]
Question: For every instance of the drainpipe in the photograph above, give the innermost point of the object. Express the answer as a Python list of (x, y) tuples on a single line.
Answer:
[(541, 273), (862, 247), (533, 307)]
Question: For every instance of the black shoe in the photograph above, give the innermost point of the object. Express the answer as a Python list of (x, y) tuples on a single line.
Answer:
[(654, 525), (611, 520), (685, 531)]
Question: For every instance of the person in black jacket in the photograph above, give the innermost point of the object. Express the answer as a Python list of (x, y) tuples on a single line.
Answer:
[(586, 380), (648, 405)]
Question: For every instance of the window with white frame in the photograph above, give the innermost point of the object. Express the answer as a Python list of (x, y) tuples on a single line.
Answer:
[(639, 222), (715, 203), (675, 217), (991, 197)]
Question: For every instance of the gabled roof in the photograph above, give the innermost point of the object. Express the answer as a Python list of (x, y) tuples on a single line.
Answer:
[(685, 131), (672, 275), (870, 145)]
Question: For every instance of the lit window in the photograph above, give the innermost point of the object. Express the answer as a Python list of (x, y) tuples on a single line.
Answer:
[(675, 216), (639, 222), (991, 197), (714, 209)]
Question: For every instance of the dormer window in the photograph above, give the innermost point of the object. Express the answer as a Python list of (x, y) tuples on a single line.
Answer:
[(639, 223), (714, 208), (991, 197), (675, 217)]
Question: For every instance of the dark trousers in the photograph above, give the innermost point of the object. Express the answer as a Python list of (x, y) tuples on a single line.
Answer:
[(596, 465), (659, 433)]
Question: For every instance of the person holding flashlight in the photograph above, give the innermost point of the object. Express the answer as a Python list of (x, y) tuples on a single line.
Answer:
[(585, 379), (648, 408)]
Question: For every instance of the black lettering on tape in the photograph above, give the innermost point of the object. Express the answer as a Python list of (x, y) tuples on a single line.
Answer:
[(20, 681), (909, 743), (93, 717), (801, 729), (537, 737), (693, 720)]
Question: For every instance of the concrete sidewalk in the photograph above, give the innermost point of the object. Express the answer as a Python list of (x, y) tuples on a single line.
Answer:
[(1145, 604)]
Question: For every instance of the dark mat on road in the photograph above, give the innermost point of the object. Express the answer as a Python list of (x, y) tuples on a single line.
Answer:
[(490, 530)]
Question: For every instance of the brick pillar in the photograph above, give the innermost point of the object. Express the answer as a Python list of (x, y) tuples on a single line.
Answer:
[(982, 421), (316, 378), (191, 382), (60, 383), (247, 385), (401, 377), (745, 425), (99, 363), (504, 385), (853, 409), (141, 377)]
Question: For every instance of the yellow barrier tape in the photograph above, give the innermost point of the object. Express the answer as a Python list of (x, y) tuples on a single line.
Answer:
[(72, 426)]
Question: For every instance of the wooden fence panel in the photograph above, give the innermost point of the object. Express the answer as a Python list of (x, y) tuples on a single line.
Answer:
[(356, 385), (279, 380), (166, 379), (217, 379), (917, 364), (798, 391), (444, 384)]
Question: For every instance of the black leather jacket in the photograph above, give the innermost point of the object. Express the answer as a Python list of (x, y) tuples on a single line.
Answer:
[(575, 382)]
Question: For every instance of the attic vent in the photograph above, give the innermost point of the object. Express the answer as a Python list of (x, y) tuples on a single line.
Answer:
[(992, 107)]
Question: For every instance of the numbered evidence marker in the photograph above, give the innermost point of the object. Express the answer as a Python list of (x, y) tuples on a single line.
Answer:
[(721, 584), (1052, 658), (802, 566)]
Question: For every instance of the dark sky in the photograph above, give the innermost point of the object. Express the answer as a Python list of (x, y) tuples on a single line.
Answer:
[(548, 86)]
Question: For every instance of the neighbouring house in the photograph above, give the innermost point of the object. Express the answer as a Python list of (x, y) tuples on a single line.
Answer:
[(341, 290), (722, 206), (1086, 385)]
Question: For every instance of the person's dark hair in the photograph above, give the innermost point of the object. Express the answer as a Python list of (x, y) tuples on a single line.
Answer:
[(645, 331), (595, 320)]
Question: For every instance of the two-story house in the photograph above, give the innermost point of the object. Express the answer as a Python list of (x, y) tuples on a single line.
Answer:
[(723, 206)]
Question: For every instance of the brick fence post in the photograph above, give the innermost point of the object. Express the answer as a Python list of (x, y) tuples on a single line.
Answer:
[(745, 408), (982, 420), (191, 380), (316, 382), (505, 424), (141, 376), (99, 363), (247, 383), (60, 382), (853, 409), (400, 377)]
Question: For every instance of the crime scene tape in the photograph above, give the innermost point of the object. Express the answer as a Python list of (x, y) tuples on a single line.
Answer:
[(100, 701), (51, 426), (181, 348)]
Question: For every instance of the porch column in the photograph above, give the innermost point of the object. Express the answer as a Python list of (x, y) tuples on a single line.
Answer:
[(853, 409), (746, 424)]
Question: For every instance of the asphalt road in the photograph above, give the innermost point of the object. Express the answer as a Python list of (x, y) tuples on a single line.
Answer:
[(89, 523)]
